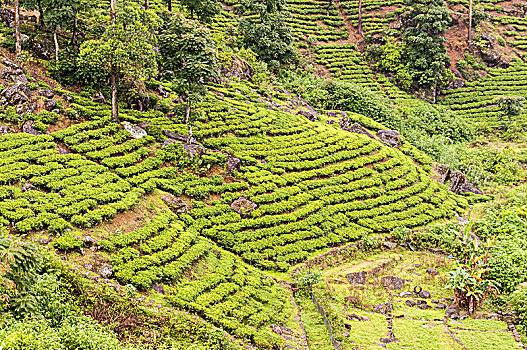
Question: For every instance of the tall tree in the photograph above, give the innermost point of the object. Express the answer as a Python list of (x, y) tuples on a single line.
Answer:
[(470, 9), (125, 50), (190, 54), (426, 24), (361, 32), (204, 10), (18, 44), (265, 31)]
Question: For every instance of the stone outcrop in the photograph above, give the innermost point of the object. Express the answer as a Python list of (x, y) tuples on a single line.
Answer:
[(243, 206), (177, 205), (135, 131), (391, 138), (233, 164), (392, 282)]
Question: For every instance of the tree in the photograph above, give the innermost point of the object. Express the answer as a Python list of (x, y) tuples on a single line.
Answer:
[(126, 49), (426, 23), (203, 9), (190, 54), (361, 32), (18, 44), (511, 106), (266, 32), (469, 39)]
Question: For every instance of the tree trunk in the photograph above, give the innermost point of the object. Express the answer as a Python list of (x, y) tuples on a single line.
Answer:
[(169, 5), (187, 120), (41, 22), (75, 27), (147, 5), (18, 44), (470, 21), (360, 18), (56, 45), (114, 72), (191, 13)]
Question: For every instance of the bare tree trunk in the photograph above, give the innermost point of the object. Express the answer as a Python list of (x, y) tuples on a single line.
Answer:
[(187, 119), (18, 44), (75, 28), (470, 21), (56, 45), (147, 5), (169, 5), (360, 18), (41, 22), (114, 72)]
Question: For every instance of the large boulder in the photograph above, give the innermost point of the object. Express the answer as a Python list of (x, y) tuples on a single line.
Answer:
[(233, 164), (179, 137), (46, 93), (458, 182), (309, 114), (356, 278), (99, 98), (177, 205), (51, 104), (491, 57), (44, 46), (15, 94), (29, 128), (444, 172), (355, 128), (390, 137), (243, 206), (135, 131), (392, 282)]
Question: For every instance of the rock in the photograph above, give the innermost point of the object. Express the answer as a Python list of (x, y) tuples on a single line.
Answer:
[(29, 129), (99, 98), (177, 205), (46, 93), (424, 294), (16, 94), (411, 303), (63, 151), (472, 189), (356, 278), (50, 105), (330, 122), (194, 149), (311, 115), (346, 125), (392, 282), (88, 240), (440, 306), (4, 129), (365, 319), (18, 76), (487, 37), (406, 295), (491, 57), (432, 272), (352, 300), (457, 84), (390, 245), (382, 308), (424, 306), (390, 137), (159, 288), (452, 312), (332, 114), (162, 92), (28, 187), (93, 249), (43, 47), (106, 271), (134, 130), (178, 137), (243, 206), (444, 172), (233, 164), (9, 64), (345, 335), (168, 141), (458, 182), (67, 98), (6, 72), (353, 317)]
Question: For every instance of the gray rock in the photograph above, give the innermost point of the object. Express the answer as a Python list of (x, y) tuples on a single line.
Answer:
[(46, 93), (491, 57), (135, 131), (424, 306), (67, 98), (177, 205), (390, 245), (16, 94), (233, 164), (392, 282), (347, 125), (4, 129), (440, 306), (50, 104), (178, 137), (411, 303), (99, 98), (444, 172), (424, 294), (452, 312), (354, 317), (356, 278), (29, 129), (8, 63), (458, 182), (44, 47), (168, 141), (106, 271), (487, 37), (406, 295), (88, 240), (162, 92), (311, 115), (390, 137), (458, 84), (194, 149), (432, 272), (382, 308), (159, 288), (63, 151), (243, 206), (28, 187)]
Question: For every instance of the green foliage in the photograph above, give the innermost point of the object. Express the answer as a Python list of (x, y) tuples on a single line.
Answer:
[(9, 115), (205, 10), (427, 21), (67, 241), (307, 280), (519, 304), (511, 106)]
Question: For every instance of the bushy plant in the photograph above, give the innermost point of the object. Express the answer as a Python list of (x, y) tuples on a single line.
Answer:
[(67, 241)]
